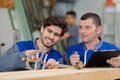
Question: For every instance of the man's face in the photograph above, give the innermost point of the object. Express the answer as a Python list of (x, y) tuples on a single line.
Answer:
[(50, 35), (88, 30), (70, 20)]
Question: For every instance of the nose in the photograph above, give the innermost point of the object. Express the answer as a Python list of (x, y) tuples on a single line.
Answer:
[(82, 31), (51, 36)]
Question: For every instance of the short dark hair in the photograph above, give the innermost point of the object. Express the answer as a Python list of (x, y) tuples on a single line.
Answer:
[(57, 21), (72, 13), (94, 16)]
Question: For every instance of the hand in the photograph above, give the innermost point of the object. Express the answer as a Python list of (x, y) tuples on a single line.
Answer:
[(74, 58), (51, 63), (31, 55), (28, 52), (114, 62)]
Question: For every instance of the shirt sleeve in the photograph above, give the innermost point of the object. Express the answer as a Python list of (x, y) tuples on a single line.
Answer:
[(69, 51), (12, 59), (66, 60)]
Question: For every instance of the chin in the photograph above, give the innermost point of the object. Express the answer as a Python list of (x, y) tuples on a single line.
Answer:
[(84, 41), (48, 46)]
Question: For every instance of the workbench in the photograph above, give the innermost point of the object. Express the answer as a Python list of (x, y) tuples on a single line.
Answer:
[(64, 74)]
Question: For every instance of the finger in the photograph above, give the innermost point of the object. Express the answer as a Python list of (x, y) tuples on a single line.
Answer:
[(113, 63), (51, 62), (108, 61), (56, 63), (56, 66), (53, 65), (116, 59), (74, 56), (49, 67)]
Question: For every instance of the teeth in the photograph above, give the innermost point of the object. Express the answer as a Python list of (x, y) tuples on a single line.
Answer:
[(48, 40)]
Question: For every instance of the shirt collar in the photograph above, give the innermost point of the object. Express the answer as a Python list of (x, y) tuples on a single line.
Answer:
[(97, 46), (35, 43)]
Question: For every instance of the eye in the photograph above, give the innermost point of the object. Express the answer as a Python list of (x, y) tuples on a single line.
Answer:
[(80, 27), (50, 31), (88, 27), (57, 35)]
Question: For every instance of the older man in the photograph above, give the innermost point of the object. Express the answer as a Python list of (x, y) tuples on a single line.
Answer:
[(89, 29)]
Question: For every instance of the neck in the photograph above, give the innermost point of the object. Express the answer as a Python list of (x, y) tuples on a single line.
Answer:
[(72, 25), (92, 45), (41, 47)]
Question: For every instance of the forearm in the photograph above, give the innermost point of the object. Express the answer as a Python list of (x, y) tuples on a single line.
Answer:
[(66, 35), (11, 62)]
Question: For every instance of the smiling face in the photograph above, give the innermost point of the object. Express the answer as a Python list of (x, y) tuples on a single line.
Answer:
[(89, 32), (50, 35)]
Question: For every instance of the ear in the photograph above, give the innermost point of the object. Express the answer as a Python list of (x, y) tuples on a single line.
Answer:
[(41, 29), (99, 29)]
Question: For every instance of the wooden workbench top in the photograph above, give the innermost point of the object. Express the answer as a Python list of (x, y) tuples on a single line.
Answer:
[(63, 74)]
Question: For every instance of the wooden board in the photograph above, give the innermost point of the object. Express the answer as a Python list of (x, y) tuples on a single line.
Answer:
[(64, 74)]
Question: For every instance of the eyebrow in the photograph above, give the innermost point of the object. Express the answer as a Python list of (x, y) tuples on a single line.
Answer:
[(53, 31)]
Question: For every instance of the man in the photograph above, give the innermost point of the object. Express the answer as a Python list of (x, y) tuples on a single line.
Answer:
[(53, 28), (89, 29), (72, 34)]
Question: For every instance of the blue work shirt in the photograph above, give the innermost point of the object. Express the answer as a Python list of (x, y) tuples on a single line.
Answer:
[(86, 54)]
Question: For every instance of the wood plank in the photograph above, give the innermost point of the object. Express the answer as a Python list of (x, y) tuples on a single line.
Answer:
[(64, 74)]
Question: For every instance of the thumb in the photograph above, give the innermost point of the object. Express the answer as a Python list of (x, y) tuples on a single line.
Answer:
[(57, 63)]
